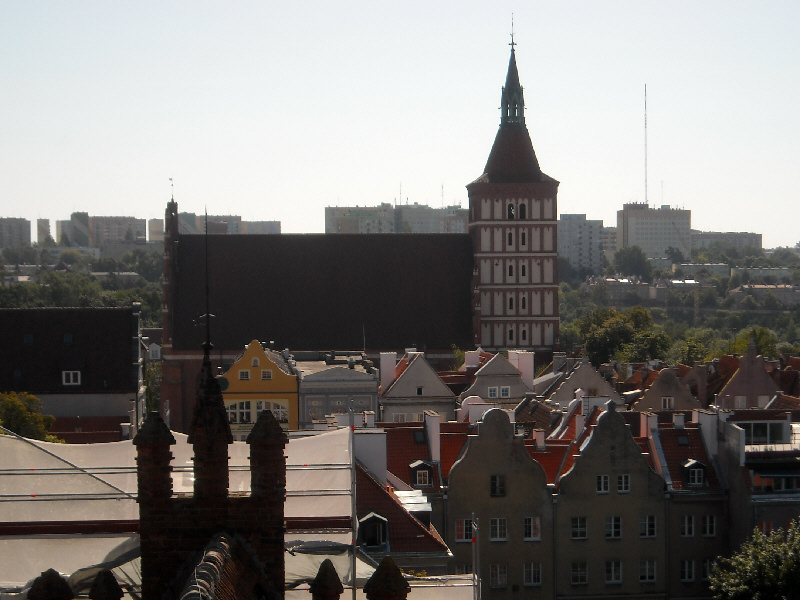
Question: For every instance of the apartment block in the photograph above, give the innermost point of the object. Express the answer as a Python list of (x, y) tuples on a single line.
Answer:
[(654, 229), (14, 232), (580, 241)]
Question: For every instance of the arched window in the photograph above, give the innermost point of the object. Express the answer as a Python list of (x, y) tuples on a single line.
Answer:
[(510, 270), (521, 211), (523, 303), (510, 238), (522, 238), (510, 211), (524, 335), (522, 270), (255, 362), (511, 303), (510, 335)]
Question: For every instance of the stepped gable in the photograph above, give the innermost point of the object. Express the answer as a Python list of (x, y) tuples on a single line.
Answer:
[(309, 291)]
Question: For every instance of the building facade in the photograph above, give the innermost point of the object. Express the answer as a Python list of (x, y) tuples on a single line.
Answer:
[(580, 241), (14, 232), (654, 229)]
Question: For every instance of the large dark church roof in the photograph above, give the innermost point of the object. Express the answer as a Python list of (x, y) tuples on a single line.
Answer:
[(512, 159), (320, 292)]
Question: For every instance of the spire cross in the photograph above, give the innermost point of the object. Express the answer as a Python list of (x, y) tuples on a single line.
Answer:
[(513, 43)]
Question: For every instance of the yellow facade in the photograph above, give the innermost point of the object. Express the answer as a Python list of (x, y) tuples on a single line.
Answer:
[(256, 382)]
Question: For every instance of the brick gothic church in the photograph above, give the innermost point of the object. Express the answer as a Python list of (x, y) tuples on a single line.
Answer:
[(495, 287)]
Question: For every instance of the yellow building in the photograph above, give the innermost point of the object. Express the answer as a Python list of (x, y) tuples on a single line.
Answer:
[(259, 380)]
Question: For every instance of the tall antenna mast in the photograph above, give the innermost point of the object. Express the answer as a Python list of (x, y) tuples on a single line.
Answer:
[(645, 144)]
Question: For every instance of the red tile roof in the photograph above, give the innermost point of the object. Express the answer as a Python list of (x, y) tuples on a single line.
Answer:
[(679, 445)]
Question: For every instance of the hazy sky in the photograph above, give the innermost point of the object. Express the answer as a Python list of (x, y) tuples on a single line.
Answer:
[(274, 110)]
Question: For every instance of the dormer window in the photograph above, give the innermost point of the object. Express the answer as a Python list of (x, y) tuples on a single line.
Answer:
[(255, 362), (667, 402), (696, 476), (694, 472), (421, 473), (423, 478), (373, 531)]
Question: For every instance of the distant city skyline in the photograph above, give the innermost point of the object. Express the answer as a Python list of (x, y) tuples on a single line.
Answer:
[(275, 111)]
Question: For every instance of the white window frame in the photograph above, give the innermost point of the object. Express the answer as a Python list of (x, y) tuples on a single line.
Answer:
[(613, 571), (423, 477), (244, 375), (463, 530), (708, 526), (399, 417), (613, 528), (706, 567), (687, 525), (245, 414), (687, 570), (623, 483), (505, 391), (497, 486), (532, 529), (491, 392), (647, 526), (70, 377), (647, 571), (696, 476), (532, 574), (602, 485), (579, 573), (266, 374), (498, 575), (498, 529), (579, 528), (667, 402)]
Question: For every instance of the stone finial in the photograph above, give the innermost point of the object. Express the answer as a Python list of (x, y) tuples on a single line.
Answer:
[(326, 585), (267, 430), (387, 582), (154, 432), (105, 587), (50, 586)]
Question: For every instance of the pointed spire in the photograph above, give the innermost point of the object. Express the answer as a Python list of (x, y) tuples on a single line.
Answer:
[(512, 101)]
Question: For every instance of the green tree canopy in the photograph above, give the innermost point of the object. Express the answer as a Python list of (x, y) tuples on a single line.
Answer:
[(632, 261), (765, 567), (21, 413)]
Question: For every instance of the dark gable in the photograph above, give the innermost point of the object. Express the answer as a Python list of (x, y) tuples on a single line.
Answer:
[(316, 291)]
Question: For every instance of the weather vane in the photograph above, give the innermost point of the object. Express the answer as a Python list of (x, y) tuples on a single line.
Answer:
[(513, 43)]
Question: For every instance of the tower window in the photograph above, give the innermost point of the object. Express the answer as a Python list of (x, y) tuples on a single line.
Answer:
[(522, 238), (522, 211), (510, 335), (524, 335), (510, 238), (510, 270), (523, 269), (511, 211), (511, 303), (523, 303)]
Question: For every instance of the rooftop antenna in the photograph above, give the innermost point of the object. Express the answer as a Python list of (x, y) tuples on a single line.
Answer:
[(512, 44), (442, 195), (207, 344), (172, 185), (645, 144)]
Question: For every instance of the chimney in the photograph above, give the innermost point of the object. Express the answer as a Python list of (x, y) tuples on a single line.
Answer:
[(538, 435), (433, 430), (678, 420), (369, 418), (559, 361), (388, 370), (472, 359)]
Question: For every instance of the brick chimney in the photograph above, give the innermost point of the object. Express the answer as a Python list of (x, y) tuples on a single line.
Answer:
[(153, 458)]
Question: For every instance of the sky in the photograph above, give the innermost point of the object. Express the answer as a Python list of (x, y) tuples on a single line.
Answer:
[(275, 110)]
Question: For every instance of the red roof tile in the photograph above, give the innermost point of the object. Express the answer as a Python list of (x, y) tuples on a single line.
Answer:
[(679, 445)]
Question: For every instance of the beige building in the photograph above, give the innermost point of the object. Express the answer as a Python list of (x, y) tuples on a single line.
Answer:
[(654, 229), (410, 386), (668, 392)]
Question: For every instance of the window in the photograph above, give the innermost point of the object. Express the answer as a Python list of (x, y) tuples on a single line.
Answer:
[(522, 269), (524, 333), (532, 574), (532, 528), (623, 483), (463, 530), (497, 485), (523, 304), (505, 391), (498, 575), (510, 211), (647, 526), (579, 574), (740, 402), (498, 529), (707, 564), (687, 570), (399, 417), (708, 526), (254, 362), (647, 571), (667, 402), (510, 335), (463, 569), (602, 484), (244, 412), (71, 377), (522, 238), (266, 374), (374, 532), (423, 477), (687, 526), (419, 390), (510, 270), (521, 211), (510, 238), (244, 375), (613, 528), (232, 412), (613, 571), (492, 392), (511, 303), (578, 528), (696, 476)]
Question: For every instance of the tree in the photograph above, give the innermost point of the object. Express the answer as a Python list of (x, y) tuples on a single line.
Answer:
[(766, 566), (632, 261), (22, 414), (674, 255)]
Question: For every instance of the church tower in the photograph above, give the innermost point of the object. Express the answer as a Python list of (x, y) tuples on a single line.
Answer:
[(512, 222)]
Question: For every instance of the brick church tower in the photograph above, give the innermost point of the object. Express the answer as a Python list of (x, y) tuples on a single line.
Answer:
[(513, 212)]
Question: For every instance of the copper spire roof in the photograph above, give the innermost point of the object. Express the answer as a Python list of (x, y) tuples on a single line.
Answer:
[(512, 159)]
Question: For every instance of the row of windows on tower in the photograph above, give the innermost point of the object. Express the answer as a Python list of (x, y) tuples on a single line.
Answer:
[(518, 212)]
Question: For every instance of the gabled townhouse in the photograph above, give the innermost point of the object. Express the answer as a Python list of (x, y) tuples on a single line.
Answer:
[(498, 496), (260, 379), (80, 362), (697, 503), (501, 382), (331, 385), (750, 386), (610, 517), (667, 392), (585, 377), (411, 386)]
